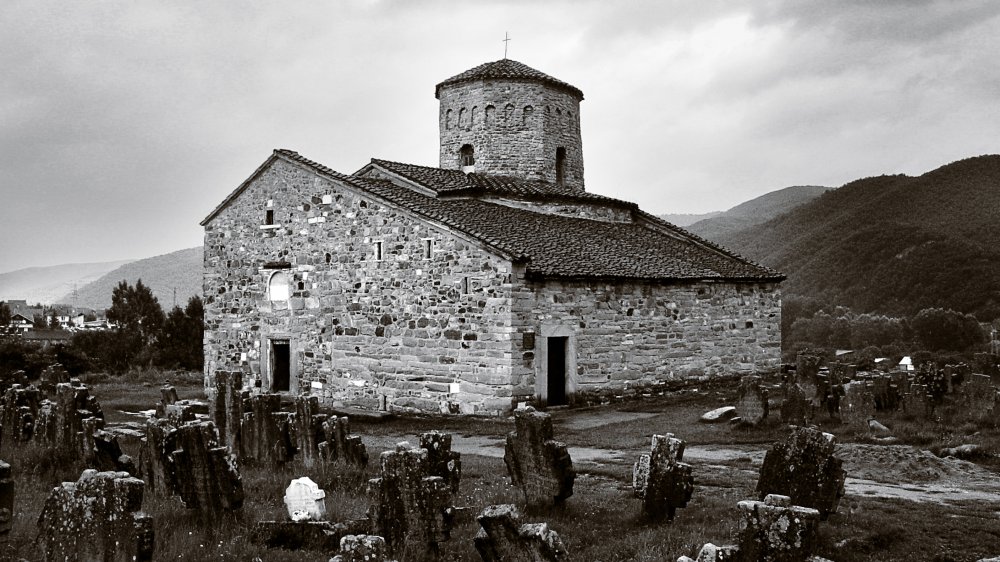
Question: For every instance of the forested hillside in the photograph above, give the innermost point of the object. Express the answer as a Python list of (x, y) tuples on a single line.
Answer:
[(892, 244)]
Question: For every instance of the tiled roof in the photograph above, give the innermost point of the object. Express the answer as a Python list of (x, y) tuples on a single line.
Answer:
[(555, 246), (457, 183), (507, 69)]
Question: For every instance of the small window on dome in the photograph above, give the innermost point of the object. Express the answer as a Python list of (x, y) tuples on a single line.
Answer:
[(466, 156)]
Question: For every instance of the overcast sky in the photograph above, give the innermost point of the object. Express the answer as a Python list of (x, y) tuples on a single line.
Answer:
[(123, 123)]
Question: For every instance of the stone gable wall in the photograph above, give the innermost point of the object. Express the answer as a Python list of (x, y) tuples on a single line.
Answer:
[(392, 334), (637, 335), (515, 128)]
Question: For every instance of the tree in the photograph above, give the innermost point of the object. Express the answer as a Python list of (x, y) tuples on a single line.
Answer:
[(139, 318), (5, 315), (938, 329), (180, 344)]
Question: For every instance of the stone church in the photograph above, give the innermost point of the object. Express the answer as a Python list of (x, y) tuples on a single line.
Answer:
[(492, 280)]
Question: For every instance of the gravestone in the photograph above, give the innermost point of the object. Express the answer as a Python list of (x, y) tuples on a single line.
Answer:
[(308, 429), (311, 535), (155, 463), (265, 433), (918, 403), (443, 461), (409, 507), (6, 501), (751, 400), (105, 454), (226, 405), (774, 530), (179, 413), (718, 415), (858, 405), (60, 421), (539, 466), (98, 517), (168, 396), (794, 406), (51, 376), (803, 467), (362, 548), (661, 480), (712, 553), (503, 538), (18, 412), (204, 474), (340, 446), (979, 400), (304, 500)]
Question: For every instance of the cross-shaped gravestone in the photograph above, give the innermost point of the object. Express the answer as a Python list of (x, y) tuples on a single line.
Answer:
[(661, 480)]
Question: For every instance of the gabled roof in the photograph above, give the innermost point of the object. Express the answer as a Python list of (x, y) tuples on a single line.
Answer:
[(557, 246), (510, 70)]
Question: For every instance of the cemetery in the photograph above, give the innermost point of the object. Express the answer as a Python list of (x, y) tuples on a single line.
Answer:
[(820, 462)]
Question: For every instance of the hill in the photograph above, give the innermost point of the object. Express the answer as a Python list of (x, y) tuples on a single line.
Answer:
[(48, 285), (756, 211), (181, 270), (892, 244), (687, 219)]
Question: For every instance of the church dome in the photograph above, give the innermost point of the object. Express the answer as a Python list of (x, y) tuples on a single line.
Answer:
[(507, 69)]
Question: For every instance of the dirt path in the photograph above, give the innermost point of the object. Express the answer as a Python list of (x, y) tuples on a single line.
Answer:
[(874, 471)]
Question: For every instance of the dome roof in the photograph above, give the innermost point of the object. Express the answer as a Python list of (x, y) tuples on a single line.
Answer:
[(510, 70)]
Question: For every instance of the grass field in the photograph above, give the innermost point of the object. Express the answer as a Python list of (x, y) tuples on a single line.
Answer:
[(600, 522)]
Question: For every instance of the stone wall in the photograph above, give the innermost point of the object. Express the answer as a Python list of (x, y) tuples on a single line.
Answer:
[(515, 128), (629, 334), (400, 333)]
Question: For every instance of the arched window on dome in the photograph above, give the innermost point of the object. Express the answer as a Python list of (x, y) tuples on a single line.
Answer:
[(490, 115), (508, 113), (561, 165), (466, 157), (447, 119), (473, 116), (277, 287), (462, 118), (526, 115)]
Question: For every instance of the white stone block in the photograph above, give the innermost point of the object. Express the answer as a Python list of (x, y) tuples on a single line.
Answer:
[(304, 500)]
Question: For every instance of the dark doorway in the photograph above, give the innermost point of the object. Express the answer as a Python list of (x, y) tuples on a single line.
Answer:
[(556, 387), (280, 365)]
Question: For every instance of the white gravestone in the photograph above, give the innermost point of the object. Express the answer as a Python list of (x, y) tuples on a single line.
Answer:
[(304, 500)]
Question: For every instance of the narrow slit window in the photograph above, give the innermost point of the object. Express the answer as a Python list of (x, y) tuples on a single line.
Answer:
[(560, 165), (465, 285), (428, 247), (269, 216), (378, 251)]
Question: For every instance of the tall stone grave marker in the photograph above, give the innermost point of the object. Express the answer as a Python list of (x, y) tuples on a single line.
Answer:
[(751, 400), (803, 467), (661, 480), (410, 508), (443, 461), (340, 446), (539, 466), (858, 404), (6, 501)]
